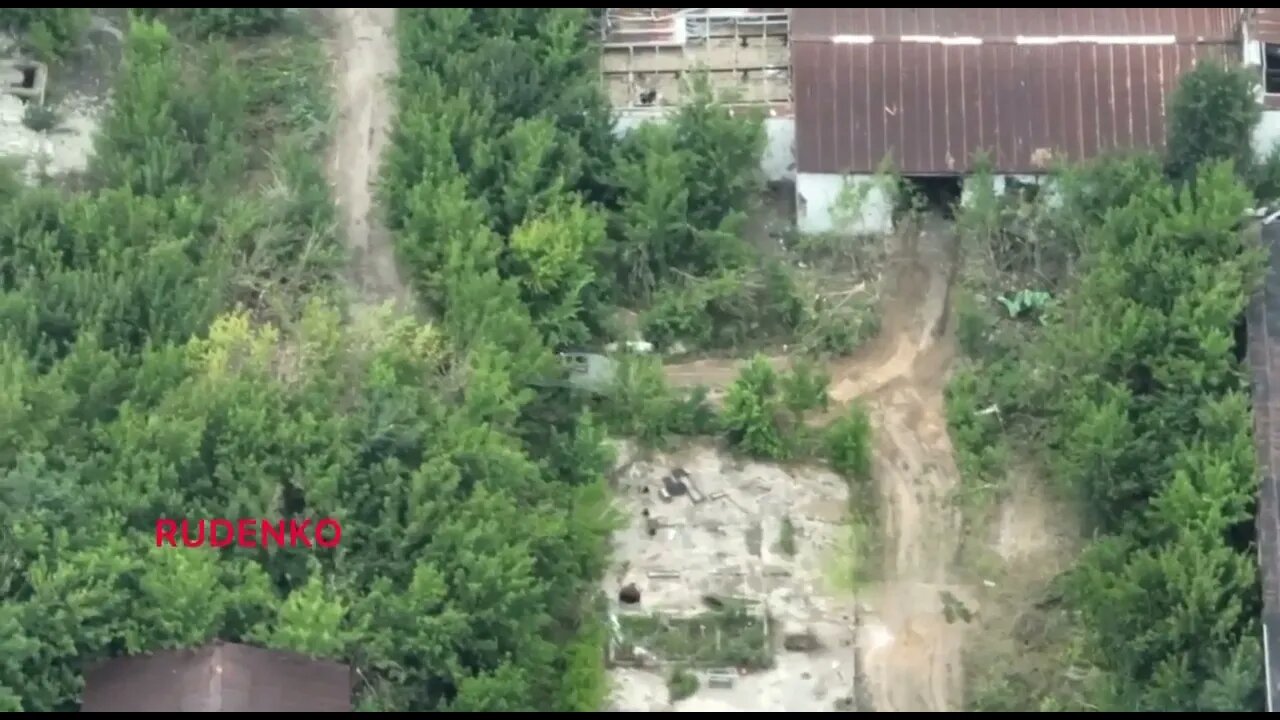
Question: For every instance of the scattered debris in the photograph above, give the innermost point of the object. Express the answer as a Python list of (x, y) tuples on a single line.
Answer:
[(721, 609), (650, 525), (629, 594), (800, 640), (723, 679), (673, 487), (953, 609), (640, 347)]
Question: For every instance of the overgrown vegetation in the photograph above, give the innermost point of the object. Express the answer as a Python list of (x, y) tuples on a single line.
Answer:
[(729, 638), (48, 33), (131, 394), (682, 684), (1134, 387)]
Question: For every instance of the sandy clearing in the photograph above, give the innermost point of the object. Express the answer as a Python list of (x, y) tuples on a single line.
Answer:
[(365, 59), (911, 656)]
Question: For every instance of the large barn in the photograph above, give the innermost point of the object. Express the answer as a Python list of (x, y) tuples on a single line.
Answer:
[(931, 86)]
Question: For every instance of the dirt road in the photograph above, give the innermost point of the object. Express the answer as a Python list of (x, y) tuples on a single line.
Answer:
[(365, 63), (911, 656)]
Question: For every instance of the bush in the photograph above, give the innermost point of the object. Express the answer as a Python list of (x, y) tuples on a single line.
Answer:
[(1212, 114), (40, 118), (837, 332), (640, 404), (51, 33), (682, 684), (805, 388), (973, 419), (849, 444), (753, 412), (233, 22), (725, 310)]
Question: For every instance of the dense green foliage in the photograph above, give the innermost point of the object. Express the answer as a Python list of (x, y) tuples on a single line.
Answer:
[(1212, 114), (232, 22), (473, 529), (1135, 388), (50, 33), (1158, 435), (848, 444), (113, 415)]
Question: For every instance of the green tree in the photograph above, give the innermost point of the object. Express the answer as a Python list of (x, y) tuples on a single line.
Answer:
[(1212, 114), (752, 413)]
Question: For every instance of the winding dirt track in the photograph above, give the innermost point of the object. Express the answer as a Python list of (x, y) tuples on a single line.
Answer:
[(911, 657), (363, 46)]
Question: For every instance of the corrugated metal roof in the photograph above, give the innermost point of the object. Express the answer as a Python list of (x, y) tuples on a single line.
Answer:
[(1208, 24), (932, 105), (1265, 24), (221, 677)]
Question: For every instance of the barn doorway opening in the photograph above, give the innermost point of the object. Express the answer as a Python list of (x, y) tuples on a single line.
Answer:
[(933, 194)]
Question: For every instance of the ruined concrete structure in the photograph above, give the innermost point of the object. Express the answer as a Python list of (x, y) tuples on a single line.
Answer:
[(646, 52)]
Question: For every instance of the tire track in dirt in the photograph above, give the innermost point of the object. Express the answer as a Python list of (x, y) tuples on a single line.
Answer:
[(911, 657), (365, 59)]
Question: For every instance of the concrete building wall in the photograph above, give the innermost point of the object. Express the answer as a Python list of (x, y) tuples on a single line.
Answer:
[(778, 162), (818, 200), (1266, 137), (818, 204)]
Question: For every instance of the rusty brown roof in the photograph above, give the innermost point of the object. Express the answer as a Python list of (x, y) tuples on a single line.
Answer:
[(1264, 25), (932, 105), (1187, 24), (221, 677)]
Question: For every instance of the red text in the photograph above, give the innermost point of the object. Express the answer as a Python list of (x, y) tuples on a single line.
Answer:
[(249, 532)]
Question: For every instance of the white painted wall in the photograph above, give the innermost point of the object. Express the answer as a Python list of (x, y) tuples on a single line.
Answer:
[(779, 159), (817, 200), (817, 197), (1266, 136)]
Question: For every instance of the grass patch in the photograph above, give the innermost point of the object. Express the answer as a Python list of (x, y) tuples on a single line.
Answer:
[(855, 561), (732, 637), (289, 88), (787, 537)]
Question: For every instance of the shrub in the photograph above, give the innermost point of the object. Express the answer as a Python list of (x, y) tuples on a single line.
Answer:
[(682, 684), (849, 444), (233, 22), (51, 33), (752, 414), (805, 388)]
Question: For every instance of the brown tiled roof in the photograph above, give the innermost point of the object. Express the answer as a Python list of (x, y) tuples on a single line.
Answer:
[(220, 677)]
